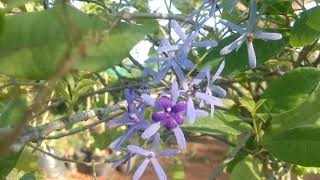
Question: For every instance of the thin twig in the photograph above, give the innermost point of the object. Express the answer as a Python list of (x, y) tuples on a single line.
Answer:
[(75, 131), (38, 133), (66, 159)]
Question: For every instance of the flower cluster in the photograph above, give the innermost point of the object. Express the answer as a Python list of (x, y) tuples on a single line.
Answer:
[(188, 98)]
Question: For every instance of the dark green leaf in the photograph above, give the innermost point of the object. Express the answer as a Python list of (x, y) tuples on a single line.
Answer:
[(117, 45), (221, 124), (298, 129), (301, 33), (313, 18), (53, 31), (39, 40), (290, 90), (296, 145)]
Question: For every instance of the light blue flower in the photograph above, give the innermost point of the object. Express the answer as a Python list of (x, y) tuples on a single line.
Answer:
[(248, 35)]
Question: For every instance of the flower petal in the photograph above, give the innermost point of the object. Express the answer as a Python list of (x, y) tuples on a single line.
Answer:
[(178, 118), (185, 63), (157, 167), (174, 92), (164, 70), (169, 152), (149, 72), (213, 8), (181, 141), (210, 44), (252, 15), (179, 107), (191, 111), (167, 48), (201, 75), (128, 166), (218, 91), (209, 99), (180, 74), (116, 145), (232, 26), (156, 60), (165, 103), (175, 26), (251, 55), (120, 161), (232, 46), (201, 113), (148, 100), (170, 124), (137, 150), (160, 116), (151, 130), (139, 172), (267, 35), (218, 72), (155, 142)]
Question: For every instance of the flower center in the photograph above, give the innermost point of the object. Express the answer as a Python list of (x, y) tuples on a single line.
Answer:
[(168, 109), (151, 154), (250, 37), (133, 116)]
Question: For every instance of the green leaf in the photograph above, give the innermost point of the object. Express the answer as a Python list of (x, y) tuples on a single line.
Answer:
[(117, 45), (7, 163), (237, 61), (249, 104), (248, 168), (313, 18), (42, 40), (298, 129), (301, 33), (221, 124), (28, 176), (82, 87), (296, 145), (290, 90), (13, 112), (32, 45)]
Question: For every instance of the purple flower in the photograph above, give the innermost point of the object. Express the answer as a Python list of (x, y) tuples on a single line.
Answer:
[(133, 118), (171, 117), (248, 35), (151, 155)]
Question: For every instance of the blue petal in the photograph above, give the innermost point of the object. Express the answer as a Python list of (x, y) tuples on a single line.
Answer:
[(158, 169), (251, 55), (151, 130), (138, 150), (191, 111), (181, 141), (139, 172)]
